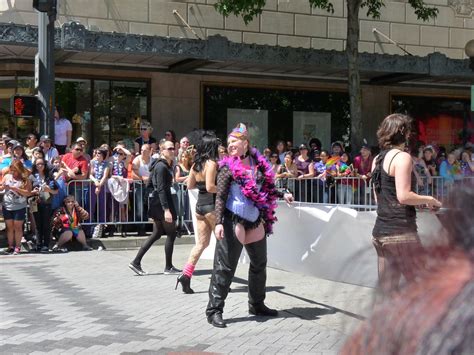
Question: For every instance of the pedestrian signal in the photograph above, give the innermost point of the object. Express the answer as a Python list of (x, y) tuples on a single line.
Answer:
[(24, 106)]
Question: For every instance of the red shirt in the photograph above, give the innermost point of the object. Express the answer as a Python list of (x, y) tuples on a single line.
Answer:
[(72, 163), (363, 166)]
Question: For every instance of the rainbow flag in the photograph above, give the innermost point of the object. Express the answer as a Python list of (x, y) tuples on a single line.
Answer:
[(332, 161), (344, 167)]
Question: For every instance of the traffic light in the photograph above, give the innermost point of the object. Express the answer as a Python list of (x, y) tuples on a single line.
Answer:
[(24, 106), (48, 6)]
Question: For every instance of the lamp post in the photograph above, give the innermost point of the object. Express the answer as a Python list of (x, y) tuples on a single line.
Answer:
[(44, 63)]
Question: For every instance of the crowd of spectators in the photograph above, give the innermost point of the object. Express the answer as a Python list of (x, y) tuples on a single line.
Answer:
[(58, 187), (74, 195), (333, 175)]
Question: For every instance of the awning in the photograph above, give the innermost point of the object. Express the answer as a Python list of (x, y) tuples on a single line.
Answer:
[(75, 45)]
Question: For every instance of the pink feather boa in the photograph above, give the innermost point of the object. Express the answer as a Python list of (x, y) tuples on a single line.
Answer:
[(265, 198)]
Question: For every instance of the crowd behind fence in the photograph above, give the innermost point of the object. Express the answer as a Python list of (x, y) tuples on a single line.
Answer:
[(353, 192)]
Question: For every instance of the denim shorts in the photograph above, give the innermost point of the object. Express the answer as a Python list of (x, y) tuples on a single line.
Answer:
[(17, 215)]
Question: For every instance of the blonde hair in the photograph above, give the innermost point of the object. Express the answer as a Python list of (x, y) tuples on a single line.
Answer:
[(147, 125)]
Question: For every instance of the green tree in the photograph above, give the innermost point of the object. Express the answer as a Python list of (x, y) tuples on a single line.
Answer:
[(249, 9)]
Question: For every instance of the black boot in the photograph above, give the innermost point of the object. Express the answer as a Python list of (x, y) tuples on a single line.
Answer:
[(262, 310), (216, 320), (185, 282)]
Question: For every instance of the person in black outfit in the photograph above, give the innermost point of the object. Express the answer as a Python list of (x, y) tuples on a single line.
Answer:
[(161, 209), (203, 177), (395, 236), (242, 220)]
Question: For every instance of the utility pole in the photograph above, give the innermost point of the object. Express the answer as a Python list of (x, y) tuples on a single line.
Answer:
[(44, 64)]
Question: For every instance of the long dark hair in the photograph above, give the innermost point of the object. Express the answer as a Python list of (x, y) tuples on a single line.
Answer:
[(23, 153), (47, 169), (207, 149)]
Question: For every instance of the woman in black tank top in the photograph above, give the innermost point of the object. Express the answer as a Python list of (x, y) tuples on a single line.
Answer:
[(395, 233), (203, 177)]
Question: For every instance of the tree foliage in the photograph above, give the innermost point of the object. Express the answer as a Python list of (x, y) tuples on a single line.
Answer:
[(249, 9)]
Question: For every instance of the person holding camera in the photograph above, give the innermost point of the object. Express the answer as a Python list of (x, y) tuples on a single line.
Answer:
[(77, 168), (17, 188), (44, 188), (67, 223)]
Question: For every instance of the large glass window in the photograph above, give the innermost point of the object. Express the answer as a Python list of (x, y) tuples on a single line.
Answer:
[(438, 120), (278, 114), (74, 97), (119, 107), (101, 111)]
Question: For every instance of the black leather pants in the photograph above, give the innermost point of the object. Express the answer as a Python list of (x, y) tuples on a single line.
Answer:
[(226, 257)]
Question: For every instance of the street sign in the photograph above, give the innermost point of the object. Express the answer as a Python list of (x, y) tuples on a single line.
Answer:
[(37, 66), (24, 105)]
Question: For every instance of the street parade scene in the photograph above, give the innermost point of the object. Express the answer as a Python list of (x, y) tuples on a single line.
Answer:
[(245, 177)]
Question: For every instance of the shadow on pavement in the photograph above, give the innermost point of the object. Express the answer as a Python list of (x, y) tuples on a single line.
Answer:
[(327, 307), (202, 272), (309, 313)]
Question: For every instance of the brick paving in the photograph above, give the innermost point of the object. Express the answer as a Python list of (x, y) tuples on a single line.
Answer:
[(91, 303)]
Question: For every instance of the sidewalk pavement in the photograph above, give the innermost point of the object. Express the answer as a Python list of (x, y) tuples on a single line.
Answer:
[(91, 303)]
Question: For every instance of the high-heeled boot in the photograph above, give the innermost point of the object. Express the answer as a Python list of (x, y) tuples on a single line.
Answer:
[(185, 282)]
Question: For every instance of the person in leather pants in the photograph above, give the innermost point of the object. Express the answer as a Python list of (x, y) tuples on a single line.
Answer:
[(242, 221)]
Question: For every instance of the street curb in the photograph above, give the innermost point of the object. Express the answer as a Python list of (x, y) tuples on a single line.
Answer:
[(117, 243), (120, 243)]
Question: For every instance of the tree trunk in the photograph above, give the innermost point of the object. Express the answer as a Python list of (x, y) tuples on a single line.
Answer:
[(355, 94)]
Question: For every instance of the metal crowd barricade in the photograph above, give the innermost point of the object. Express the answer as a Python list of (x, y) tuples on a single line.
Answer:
[(104, 209), (440, 187), (355, 192), (185, 223), (352, 192)]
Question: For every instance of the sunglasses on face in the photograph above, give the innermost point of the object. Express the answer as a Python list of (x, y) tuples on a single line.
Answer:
[(171, 149), (143, 129)]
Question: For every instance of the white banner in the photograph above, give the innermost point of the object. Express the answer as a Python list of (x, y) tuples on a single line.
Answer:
[(330, 242)]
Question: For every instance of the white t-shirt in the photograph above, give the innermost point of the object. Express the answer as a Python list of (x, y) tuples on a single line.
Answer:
[(61, 126)]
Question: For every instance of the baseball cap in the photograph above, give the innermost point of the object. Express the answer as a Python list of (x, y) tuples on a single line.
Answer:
[(16, 145), (45, 138), (81, 139), (13, 142)]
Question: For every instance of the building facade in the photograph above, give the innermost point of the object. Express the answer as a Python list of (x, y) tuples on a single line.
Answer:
[(182, 66)]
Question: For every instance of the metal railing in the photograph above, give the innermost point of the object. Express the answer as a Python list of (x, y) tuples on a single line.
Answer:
[(352, 192), (356, 192), (103, 208)]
